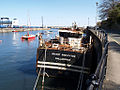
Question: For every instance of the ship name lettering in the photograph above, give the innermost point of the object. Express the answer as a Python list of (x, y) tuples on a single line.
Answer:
[(57, 54), (67, 55), (62, 59), (63, 55)]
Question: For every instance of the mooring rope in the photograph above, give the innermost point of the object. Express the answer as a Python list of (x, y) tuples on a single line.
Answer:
[(36, 82), (43, 80), (81, 74)]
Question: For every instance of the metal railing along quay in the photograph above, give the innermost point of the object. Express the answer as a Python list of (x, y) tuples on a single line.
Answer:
[(96, 80)]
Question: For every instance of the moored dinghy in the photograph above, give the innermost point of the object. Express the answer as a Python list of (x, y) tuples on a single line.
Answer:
[(28, 36)]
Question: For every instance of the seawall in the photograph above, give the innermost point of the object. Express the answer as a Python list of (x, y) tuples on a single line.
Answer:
[(4, 30)]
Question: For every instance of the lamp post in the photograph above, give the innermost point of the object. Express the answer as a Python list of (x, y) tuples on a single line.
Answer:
[(96, 11), (42, 20), (88, 21)]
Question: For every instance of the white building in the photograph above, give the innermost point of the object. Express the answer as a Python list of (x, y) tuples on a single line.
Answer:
[(15, 22)]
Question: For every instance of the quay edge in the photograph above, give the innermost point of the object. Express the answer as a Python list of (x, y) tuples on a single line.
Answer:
[(4, 30)]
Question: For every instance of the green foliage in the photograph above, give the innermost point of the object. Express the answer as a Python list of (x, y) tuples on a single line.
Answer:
[(111, 16), (106, 6), (114, 14), (118, 15), (118, 20)]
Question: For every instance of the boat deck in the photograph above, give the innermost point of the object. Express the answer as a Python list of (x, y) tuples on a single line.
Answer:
[(65, 47)]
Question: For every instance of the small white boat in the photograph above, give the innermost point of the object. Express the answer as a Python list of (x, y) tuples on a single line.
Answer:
[(48, 32)]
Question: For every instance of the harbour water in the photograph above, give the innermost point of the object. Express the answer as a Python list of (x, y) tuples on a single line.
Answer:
[(18, 59)]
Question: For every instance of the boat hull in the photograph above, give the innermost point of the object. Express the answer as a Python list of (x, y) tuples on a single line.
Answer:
[(64, 65), (28, 37), (14, 31)]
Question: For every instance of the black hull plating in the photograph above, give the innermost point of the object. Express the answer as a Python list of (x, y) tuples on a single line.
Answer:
[(64, 67), (65, 57)]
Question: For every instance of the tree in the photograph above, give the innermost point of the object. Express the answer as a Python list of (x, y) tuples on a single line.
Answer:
[(110, 14), (118, 15), (114, 14), (106, 6)]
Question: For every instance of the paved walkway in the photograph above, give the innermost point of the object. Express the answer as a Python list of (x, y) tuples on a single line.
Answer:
[(112, 81), (115, 35)]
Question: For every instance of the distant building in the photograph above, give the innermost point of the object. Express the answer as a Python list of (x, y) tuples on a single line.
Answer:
[(6, 22), (15, 22)]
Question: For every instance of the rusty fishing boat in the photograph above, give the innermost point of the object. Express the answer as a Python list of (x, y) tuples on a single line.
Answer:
[(64, 63)]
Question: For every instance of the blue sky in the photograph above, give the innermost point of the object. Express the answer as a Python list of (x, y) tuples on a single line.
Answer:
[(54, 12)]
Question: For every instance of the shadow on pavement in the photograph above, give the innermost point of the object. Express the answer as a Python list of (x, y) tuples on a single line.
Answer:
[(110, 85), (113, 31), (114, 46), (116, 35)]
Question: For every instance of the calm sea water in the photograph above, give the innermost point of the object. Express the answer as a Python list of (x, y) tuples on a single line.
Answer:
[(18, 59)]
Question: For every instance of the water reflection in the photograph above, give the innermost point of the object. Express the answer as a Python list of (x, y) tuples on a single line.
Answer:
[(14, 36), (0, 41), (29, 40), (15, 39), (18, 60)]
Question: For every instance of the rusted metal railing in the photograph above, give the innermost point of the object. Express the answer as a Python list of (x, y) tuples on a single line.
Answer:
[(96, 80)]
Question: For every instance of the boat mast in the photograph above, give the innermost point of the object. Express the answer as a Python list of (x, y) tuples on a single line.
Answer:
[(28, 20), (42, 20)]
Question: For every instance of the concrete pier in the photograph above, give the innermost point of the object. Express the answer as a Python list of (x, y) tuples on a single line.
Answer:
[(3, 30)]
